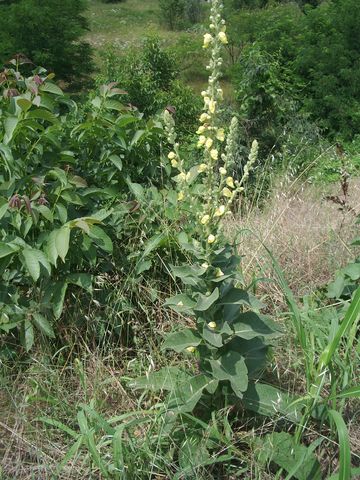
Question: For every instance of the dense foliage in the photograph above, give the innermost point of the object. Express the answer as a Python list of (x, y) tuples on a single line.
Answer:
[(48, 33), (113, 211), (317, 50)]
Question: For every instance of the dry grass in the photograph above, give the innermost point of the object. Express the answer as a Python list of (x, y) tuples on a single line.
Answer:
[(307, 234)]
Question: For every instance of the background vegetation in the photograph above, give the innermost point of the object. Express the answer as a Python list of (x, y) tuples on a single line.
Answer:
[(153, 324)]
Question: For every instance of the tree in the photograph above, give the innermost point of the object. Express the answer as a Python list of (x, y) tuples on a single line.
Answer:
[(49, 33)]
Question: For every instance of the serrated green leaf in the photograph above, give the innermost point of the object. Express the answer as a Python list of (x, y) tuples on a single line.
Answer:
[(101, 238), (51, 249), (83, 280), (58, 297), (6, 249), (62, 240), (27, 335), (32, 263), (45, 212), (10, 125), (43, 325), (51, 88), (4, 205)]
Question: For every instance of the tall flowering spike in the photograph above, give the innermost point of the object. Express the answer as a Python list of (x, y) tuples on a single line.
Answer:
[(231, 143), (219, 153)]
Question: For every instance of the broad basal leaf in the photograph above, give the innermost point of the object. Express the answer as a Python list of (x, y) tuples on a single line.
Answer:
[(165, 379), (178, 341), (231, 366)]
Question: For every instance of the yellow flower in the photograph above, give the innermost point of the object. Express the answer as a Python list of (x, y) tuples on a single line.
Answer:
[(208, 143), (212, 106), (171, 155), (180, 196), (205, 219), (205, 265), (214, 154), (182, 176), (180, 304), (222, 171), (227, 193), (219, 211), (230, 182), (204, 117), (222, 37), (174, 163), (206, 100), (202, 140), (207, 40), (220, 134), (212, 325), (219, 273), (190, 349), (201, 130), (211, 238), (202, 168)]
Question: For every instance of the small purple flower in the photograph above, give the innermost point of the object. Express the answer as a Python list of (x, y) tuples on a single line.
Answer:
[(38, 80), (15, 201), (42, 200)]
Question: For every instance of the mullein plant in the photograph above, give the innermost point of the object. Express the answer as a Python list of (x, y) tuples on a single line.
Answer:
[(229, 338)]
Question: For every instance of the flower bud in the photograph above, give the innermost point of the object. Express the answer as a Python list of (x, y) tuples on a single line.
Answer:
[(214, 154), (227, 193), (204, 117), (219, 273), (230, 182), (207, 40), (219, 211), (205, 219), (211, 239), (223, 38), (212, 325), (212, 106), (220, 134), (208, 143)]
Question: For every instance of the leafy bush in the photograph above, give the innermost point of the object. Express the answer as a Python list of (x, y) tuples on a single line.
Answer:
[(49, 34), (150, 78), (51, 205), (316, 48), (179, 13)]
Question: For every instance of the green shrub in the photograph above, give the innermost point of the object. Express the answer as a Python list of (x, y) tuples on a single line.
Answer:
[(62, 172), (49, 33), (180, 13), (150, 78)]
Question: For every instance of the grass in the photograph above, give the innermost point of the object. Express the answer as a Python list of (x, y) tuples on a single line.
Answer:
[(125, 23), (306, 234)]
